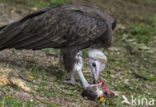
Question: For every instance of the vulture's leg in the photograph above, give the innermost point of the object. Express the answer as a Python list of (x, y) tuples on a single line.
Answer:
[(72, 79), (73, 62), (67, 58), (78, 68)]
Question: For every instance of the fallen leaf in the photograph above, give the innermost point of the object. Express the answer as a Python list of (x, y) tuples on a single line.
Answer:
[(55, 63), (35, 8), (5, 70), (31, 77), (21, 84), (117, 93), (3, 80), (12, 11)]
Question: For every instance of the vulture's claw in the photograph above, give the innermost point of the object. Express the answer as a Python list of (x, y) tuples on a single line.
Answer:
[(71, 82)]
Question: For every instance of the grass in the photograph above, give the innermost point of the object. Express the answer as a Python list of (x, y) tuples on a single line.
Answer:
[(138, 36), (144, 2), (142, 31), (37, 3), (7, 101), (130, 68), (135, 64)]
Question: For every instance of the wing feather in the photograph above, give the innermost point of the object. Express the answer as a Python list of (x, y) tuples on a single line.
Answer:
[(53, 28)]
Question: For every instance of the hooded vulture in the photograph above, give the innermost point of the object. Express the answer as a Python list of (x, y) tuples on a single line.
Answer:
[(69, 28)]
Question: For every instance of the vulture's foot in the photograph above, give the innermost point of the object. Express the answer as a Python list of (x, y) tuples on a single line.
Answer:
[(71, 82), (90, 85)]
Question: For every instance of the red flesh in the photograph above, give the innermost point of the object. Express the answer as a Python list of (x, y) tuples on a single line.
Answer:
[(107, 93)]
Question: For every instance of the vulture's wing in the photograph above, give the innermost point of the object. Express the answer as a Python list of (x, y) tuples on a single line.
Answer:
[(52, 28), (11, 31)]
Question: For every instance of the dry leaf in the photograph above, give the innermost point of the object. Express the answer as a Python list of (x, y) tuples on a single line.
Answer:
[(3, 80), (21, 84), (12, 11), (31, 77), (5, 70), (34, 8), (55, 63), (117, 93)]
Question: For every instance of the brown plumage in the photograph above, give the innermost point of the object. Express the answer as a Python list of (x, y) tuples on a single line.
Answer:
[(59, 27), (70, 28)]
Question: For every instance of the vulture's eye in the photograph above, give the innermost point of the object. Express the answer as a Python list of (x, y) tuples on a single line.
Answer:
[(93, 64)]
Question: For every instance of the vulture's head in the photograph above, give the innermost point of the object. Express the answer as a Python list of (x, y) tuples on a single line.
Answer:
[(97, 61)]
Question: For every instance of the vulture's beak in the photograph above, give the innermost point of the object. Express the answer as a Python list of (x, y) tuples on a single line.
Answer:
[(96, 67)]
